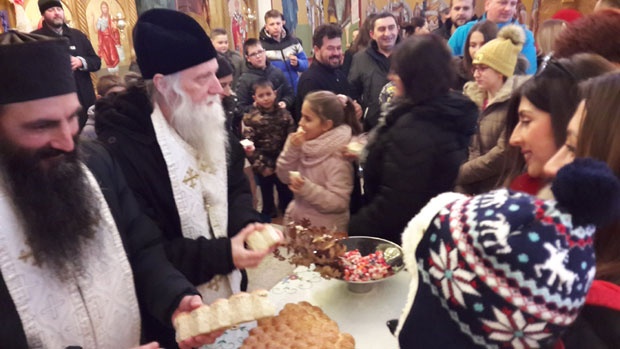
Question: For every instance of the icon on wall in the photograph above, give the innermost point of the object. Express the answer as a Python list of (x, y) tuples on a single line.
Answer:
[(289, 10), (339, 12)]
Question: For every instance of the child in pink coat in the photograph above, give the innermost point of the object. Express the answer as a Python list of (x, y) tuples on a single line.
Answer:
[(312, 163)]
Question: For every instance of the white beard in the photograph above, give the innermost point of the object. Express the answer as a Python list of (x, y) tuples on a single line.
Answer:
[(203, 127)]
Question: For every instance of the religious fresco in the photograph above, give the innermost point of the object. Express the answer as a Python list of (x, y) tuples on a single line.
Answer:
[(22, 23), (145, 5), (404, 12), (289, 11), (4, 21), (107, 24), (238, 24), (107, 29), (316, 13), (239, 17), (339, 12), (432, 8)]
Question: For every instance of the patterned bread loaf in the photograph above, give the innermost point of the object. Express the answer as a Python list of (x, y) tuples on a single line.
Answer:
[(224, 313)]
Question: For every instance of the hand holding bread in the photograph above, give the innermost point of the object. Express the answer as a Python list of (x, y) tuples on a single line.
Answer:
[(296, 182), (298, 137), (265, 238), (186, 305), (208, 320), (248, 258)]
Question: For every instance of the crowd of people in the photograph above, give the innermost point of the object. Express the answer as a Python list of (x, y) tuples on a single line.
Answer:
[(487, 152)]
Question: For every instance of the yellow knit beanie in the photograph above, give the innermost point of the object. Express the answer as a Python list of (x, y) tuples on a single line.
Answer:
[(501, 53)]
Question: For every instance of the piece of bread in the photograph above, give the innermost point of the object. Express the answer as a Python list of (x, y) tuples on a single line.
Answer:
[(247, 144), (355, 148), (300, 325), (223, 313), (263, 239)]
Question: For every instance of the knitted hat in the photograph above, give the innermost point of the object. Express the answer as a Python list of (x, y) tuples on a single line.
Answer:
[(168, 41), (36, 66), (46, 4), (224, 68), (505, 269), (501, 53)]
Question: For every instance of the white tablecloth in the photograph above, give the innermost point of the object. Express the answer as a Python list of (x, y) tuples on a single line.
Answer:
[(362, 315)]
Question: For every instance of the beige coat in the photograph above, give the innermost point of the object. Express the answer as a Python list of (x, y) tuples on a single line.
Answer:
[(487, 150), (324, 198)]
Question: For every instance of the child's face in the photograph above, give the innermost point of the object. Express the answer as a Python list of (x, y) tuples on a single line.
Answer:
[(273, 26), (312, 124), (220, 42), (265, 97), (256, 56), (226, 83)]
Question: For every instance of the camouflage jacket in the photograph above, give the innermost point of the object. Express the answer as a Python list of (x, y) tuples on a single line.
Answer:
[(268, 131)]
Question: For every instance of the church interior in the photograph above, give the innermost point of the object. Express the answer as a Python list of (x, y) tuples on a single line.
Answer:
[(244, 18)]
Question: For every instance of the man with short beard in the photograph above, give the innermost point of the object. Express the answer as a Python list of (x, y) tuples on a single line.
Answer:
[(324, 72), (185, 170), (502, 13), (461, 12), (79, 262), (83, 58)]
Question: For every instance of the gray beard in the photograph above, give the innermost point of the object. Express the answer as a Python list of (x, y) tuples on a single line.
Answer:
[(203, 127)]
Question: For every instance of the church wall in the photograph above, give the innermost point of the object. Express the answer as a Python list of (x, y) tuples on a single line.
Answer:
[(219, 13)]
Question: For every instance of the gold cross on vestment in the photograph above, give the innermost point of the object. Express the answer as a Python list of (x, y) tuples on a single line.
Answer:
[(191, 178)]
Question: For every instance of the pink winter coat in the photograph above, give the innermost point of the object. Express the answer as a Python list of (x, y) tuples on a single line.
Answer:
[(324, 198)]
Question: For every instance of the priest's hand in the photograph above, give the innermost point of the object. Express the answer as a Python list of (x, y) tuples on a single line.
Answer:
[(244, 257), (187, 304)]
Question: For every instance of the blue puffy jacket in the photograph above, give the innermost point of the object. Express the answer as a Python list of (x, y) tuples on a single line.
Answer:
[(277, 53), (457, 42)]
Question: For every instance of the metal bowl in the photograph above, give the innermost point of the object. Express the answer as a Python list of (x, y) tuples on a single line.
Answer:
[(392, 253)]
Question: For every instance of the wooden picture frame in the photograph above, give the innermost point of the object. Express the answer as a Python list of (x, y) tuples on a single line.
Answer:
[(110, 35)]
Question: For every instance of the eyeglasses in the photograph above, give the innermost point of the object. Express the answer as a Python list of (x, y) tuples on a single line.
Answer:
[(548, 61), (256, 54), (478, 67)]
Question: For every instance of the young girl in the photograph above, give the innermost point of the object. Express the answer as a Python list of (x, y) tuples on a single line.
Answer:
[(312, 163)]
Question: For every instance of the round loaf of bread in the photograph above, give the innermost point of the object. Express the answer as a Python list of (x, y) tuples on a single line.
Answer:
[(263, 239), (300, 325)]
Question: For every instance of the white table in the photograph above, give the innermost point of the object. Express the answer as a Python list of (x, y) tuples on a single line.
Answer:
[(362, 315)]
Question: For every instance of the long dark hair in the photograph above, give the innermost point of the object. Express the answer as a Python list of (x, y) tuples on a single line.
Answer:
[(488, 30), (432, 74), (363, 36), (597, 139), (553, 90)]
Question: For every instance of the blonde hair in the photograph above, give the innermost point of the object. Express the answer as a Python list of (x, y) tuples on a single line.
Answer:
[(328, 106), (548, 33)]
